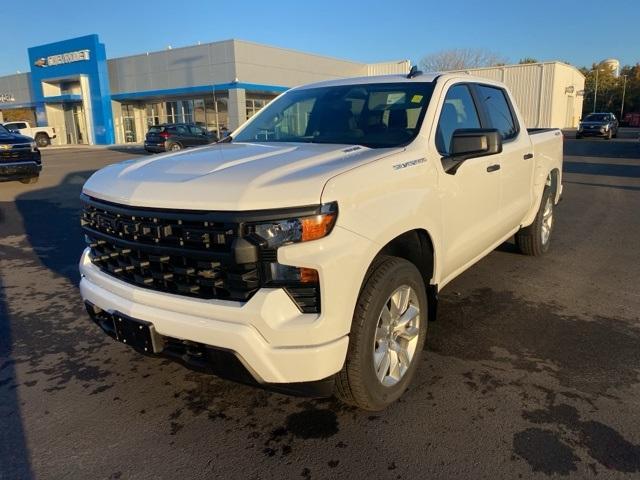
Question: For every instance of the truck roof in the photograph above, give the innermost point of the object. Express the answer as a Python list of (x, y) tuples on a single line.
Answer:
[(427, 77)]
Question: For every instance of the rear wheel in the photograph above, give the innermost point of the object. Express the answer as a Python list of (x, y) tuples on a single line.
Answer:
[(42, 140), (534, 239), (175, 147), (387, 336)]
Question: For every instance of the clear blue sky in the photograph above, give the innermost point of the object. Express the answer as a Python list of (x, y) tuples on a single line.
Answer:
[(367, 30)]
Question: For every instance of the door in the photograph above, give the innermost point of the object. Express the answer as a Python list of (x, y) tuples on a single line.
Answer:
[(471, 195), (129, 124), (516, 160), (75, 124), (198, 135)]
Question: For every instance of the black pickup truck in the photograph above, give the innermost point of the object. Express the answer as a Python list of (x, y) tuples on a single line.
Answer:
[(19, 157)]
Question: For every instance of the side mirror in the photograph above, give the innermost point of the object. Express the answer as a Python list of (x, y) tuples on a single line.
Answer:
[(467, 143)]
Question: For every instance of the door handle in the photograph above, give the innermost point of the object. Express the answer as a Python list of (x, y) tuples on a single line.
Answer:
[(493, 168), (527, 156)]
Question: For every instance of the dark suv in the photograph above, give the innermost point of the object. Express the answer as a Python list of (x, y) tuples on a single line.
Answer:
[(19, 157), (598, 125), (176, 136)]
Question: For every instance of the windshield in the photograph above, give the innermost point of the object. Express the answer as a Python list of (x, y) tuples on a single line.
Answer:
[(376, 115), (597, 117)]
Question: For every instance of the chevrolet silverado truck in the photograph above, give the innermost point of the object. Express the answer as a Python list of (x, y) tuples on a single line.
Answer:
[(305, 252), (42, 135), (19, 157)]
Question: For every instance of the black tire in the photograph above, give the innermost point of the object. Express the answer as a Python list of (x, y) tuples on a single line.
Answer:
[(530, 239), (174, 147), (42, 140), (29, 181), (357, 383)]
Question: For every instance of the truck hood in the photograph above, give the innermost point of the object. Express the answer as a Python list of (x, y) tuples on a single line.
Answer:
[(230, 176), (13, 138)]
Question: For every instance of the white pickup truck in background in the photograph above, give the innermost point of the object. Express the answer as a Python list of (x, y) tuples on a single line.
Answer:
[(306, 251), (42, 135)]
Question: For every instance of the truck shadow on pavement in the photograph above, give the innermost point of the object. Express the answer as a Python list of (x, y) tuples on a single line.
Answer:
[(41, 228), (14, 453)]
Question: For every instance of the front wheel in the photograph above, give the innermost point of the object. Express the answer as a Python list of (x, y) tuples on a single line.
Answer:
[(534, 239), (387, 336), (29, 181)]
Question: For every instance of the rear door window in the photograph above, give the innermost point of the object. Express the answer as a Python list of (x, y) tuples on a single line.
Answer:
[(197, 131), (180, 130), (495, 103)]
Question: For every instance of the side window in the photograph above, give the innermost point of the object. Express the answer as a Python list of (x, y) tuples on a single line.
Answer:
[(458, 111), (196, 130), (498, 111), (181, 130)]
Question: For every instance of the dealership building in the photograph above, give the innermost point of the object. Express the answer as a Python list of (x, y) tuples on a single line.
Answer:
[(91, 99)]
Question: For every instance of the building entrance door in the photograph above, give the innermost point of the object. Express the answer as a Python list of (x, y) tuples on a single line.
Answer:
[(75, 124)]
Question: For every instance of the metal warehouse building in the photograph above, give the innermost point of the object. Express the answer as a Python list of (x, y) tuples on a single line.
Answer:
[(549, 94), (90, 99)]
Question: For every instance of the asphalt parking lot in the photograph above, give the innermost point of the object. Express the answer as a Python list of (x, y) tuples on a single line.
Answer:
[(532, 369)]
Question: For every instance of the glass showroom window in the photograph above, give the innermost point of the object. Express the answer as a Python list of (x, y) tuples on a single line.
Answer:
[(256, 102), (217, 116)]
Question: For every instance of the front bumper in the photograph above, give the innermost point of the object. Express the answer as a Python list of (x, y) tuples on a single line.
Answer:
[(268, 334), (19, 170), (593, 133)]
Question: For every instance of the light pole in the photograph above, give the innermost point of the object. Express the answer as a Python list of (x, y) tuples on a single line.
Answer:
[(595, 93), (624, 89)]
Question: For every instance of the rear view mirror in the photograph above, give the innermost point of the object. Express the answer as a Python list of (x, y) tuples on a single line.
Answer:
[(469, 143)]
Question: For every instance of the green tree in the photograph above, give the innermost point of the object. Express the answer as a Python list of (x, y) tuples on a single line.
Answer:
[(609, 90)]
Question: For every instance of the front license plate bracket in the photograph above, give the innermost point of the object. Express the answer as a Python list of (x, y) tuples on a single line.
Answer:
[(138, 334)]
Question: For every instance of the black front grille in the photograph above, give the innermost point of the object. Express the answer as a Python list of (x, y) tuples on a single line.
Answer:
[(186, 256), (18, 152), (184, 253)]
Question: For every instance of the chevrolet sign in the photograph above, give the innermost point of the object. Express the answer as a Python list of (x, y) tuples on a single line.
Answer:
[(6, 98), (63, 58)]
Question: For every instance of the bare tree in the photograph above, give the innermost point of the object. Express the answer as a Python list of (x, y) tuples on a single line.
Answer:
[(459, 59)]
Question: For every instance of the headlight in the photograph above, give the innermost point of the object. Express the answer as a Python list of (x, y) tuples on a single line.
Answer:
[(34, 146), (294, 230), (301, 283)]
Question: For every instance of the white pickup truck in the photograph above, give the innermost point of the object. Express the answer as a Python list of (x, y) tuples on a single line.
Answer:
[(305, 252), (42, 135)]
